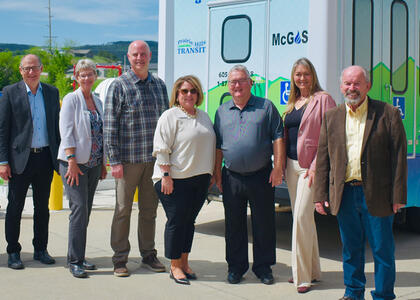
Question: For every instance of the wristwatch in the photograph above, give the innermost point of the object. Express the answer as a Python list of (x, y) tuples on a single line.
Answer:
[(165, 174)]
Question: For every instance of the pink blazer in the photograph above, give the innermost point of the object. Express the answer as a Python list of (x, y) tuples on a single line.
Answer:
[(310, 127)]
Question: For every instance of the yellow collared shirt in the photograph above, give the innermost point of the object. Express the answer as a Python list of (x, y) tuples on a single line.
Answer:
[(355, 128)]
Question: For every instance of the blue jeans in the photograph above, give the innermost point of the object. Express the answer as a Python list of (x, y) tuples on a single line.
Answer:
[(356, 224)]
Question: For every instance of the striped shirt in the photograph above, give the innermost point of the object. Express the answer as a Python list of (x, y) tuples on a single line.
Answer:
[(132, 109)]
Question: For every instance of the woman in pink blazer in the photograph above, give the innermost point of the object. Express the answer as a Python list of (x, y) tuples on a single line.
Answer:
[(302, 119)]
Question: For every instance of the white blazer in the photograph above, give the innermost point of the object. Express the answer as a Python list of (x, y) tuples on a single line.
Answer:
[(75, 128)]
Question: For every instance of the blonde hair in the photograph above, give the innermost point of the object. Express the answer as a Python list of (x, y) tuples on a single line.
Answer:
[(191, 79), (294, 90)]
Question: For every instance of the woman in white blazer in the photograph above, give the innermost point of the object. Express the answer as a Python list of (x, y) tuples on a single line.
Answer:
[(81, 160)]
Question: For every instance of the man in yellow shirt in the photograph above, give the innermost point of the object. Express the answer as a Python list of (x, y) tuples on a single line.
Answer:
[(361, 174)]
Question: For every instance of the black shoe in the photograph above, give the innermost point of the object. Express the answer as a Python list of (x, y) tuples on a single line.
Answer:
[(178, 280), (44, 257), (14, 261), (88, 266), (191, 276), (267, 278), (233, 278), (346, 298), (77, 271)]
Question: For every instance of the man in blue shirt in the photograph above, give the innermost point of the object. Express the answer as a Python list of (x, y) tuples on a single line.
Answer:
[(29, 139), (249, 130)]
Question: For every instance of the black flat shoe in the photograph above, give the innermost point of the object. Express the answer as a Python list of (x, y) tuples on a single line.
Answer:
[(178, 280), (14, 261), (191, 276), (233, 278), (44, 257), (77, 271), (89, 266)]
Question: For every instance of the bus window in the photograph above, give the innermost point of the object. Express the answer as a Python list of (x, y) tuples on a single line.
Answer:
[(236, 39), (399, 46), (363, 34)]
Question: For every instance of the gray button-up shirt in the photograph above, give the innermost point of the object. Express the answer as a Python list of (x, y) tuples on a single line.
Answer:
[(132, 109), (246, 136)]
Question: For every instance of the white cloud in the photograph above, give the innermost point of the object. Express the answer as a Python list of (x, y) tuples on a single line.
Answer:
[(98, 12)]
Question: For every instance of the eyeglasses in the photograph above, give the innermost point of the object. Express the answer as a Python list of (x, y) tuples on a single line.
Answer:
[(86, 75), (33, 69), (186, 91), (240, 81)]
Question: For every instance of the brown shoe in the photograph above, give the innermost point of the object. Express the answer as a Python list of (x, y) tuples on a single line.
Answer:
[(121, 272), (152, 263)]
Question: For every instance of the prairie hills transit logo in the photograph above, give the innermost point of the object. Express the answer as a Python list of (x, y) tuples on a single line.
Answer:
[(187, 46), (290, 38)]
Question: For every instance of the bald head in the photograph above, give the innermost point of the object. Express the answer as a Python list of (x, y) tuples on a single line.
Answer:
[(139, 56), (30, 68)]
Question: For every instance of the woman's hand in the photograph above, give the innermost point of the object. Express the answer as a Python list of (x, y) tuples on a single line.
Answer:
[(73, 173), (167, 185), (311, 174), (103, 172)]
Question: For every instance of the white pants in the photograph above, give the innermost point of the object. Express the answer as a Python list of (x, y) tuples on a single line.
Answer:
[(305, 253)]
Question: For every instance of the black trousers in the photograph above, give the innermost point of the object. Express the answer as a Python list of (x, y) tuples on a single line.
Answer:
[(181, 208), (38, 173), (80, 201), (237, 191)]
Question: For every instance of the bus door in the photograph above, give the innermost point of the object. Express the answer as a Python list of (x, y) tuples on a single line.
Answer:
[(237, 35), (384, 41), (383, 35)]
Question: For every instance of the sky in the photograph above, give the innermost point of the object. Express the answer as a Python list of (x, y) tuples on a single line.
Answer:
[(78, 22)]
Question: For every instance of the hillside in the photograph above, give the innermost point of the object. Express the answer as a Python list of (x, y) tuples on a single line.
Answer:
[(117, 49)]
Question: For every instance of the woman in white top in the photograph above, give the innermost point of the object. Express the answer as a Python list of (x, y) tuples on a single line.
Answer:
[(81, 160), (184, 147)]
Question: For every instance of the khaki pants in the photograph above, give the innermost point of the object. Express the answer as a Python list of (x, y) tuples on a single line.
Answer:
[(135, 175), (305, 253)]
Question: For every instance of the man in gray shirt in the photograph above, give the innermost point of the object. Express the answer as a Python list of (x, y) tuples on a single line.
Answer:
[(133, 106), (248, 130)]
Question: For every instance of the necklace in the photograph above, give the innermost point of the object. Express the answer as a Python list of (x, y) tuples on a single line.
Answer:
[(187, 113)]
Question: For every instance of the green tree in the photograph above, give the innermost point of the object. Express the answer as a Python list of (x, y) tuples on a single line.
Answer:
[(9, 69)]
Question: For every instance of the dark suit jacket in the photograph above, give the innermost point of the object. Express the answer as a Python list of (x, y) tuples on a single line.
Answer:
[(16, 127), (383, 159)]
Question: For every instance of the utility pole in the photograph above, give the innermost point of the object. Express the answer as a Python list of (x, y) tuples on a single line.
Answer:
[(50, 36), (49, 27)]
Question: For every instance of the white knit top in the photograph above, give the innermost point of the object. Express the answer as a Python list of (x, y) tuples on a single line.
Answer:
[(187, 144)]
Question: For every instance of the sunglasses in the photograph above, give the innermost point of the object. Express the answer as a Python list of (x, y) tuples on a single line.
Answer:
[(186, 91)]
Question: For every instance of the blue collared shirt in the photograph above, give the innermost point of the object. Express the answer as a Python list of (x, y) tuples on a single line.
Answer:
[(246, 136), (39, 120)]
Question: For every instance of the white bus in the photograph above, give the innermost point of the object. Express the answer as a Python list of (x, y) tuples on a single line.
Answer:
[(206, 38)]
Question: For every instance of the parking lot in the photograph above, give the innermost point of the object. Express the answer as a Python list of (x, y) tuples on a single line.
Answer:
[(37, 281)]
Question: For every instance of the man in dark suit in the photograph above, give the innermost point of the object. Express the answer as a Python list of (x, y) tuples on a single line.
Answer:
[(29, 139), (361, 174)]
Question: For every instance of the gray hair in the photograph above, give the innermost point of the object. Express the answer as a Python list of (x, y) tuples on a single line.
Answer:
[(364, 71), (39, 59), (240, 68), (85, 64)]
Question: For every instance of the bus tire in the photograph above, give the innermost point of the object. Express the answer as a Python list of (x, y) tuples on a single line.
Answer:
[(413, 218)]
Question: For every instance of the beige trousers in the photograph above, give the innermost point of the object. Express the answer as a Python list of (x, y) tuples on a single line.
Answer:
[(135, 175), (305, 253)]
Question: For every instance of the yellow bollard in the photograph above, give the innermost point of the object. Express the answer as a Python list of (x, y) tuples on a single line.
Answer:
[(56, 194), (136, 195)]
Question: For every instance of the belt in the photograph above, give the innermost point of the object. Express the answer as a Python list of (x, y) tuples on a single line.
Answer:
[(249, 173), (38, 150), (354, 183)]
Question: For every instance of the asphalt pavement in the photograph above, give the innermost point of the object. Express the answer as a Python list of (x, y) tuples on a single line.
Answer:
[(207, 259)]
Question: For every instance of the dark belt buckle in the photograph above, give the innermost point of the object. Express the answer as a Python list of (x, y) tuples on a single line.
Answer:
[(36, 150), (354, 183)]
